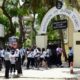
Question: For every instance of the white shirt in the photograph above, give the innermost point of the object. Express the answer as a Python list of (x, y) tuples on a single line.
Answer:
[(38, 54), (2, 52), (71, 52), (22, 52), (7, 55), (48, 53), (17, 53), (43, 54), (30, 54), (12, 58)]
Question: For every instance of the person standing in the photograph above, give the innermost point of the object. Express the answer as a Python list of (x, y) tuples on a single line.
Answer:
[(70, 55), (59, 53), (0, 60), (18, 62), (48, 54), (12, 60), (7, 62)]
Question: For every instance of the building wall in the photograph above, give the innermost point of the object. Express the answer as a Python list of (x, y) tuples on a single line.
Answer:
[(41, 41), (70, 33), (76, 49)]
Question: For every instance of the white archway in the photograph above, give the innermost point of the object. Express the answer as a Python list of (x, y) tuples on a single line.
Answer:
[(54, 12), (75, 18)]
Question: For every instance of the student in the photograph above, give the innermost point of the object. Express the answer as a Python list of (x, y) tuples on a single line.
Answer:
[(37, 58), (48, 54), (0, 60), (43, 60), (70, 55), (12, 60), (18, 62), (30, 58), (7, 62), (59, 53)]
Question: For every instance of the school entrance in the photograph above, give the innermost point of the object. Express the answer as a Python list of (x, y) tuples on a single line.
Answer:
[(72, 31)]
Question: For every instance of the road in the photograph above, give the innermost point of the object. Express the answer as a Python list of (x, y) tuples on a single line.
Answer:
[(49, 74)]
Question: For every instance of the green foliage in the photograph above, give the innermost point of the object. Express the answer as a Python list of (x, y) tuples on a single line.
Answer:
[(13, 12), (17, 34), (41, 12), (13, 9), (18, 11), (28, 23), (22, 11), (4, 20), (27, 43), (52, 34)]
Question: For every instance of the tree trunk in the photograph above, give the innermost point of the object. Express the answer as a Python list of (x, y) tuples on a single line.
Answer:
[(22, 34), (11, 28), (33, 31)]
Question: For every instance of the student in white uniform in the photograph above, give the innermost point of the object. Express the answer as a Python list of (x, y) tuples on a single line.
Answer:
[(48, 54), (29, 58), (37, 58), (22, 53), (7, 62), (43, 60), (12, 60), (18, 62)]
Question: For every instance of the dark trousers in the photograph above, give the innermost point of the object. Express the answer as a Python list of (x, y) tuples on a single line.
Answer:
[(18, 67), (7, 67), (12, 68), (37, 62), (59, 59), (0, 64), (48, 61), (70, 59), (30, 62), (23, 58)]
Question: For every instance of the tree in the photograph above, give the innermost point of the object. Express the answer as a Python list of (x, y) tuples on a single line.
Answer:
[(12, 9), (34, 6), (6, 20)]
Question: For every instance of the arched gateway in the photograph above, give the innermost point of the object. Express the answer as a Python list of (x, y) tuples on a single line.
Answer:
[(75, 18), (54, 12)]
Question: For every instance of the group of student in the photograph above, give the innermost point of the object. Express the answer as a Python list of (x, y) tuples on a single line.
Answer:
[(38, 58), (12, 61), (35, 57)]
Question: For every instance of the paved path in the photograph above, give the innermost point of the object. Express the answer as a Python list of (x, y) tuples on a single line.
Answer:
[(50, 74)]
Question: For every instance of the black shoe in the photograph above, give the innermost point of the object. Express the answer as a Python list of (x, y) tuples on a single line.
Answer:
[(6, 77), (27, 68)]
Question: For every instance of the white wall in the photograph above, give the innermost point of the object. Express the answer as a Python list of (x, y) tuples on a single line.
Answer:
[(1, 30), (41, 41), (76, 48)]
